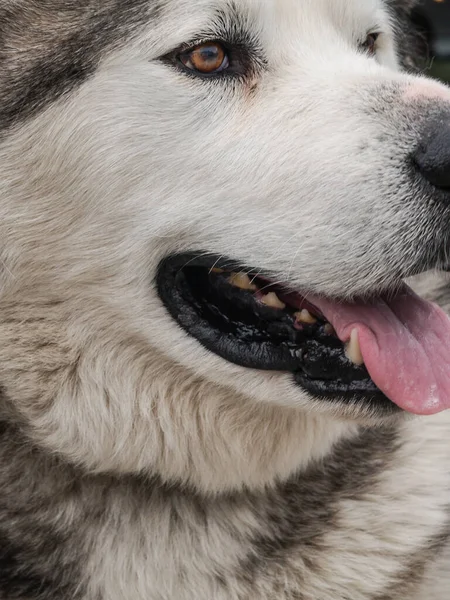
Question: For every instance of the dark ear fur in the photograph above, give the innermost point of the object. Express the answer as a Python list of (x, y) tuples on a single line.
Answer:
[(412, 35)]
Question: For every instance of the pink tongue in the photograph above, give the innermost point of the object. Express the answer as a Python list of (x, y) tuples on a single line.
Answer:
[(405, 343)]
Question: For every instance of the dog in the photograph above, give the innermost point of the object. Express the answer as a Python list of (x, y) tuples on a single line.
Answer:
[(215, 383)]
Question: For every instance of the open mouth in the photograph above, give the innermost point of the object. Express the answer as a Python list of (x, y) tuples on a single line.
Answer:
[(249, 321), (377, 352)]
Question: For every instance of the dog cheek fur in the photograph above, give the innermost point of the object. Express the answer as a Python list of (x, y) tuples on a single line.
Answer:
[(79, 375), (98, 395), (101, 163), (92, 387)]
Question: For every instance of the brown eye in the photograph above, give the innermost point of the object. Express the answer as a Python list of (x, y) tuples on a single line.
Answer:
[(370, 45), (206, 58)]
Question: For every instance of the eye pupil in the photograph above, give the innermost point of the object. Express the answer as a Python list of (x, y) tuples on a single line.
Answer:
[(205, 58), (370, 45)]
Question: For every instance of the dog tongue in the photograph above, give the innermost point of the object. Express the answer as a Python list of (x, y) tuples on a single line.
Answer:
[(405, 343)]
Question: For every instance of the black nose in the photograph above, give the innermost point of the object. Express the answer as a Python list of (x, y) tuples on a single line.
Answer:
[(433, 157)]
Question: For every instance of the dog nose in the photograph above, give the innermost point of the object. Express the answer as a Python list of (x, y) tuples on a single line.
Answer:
[(433, 157)]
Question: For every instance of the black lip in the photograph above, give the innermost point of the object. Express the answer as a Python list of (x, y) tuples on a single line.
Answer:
[(233, 325)]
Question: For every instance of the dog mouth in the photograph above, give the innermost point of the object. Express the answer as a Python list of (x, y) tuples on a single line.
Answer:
[(251, 322), (337, 351)]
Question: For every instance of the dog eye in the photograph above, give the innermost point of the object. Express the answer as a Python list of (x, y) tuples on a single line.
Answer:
[(208, 58), (370, 44)]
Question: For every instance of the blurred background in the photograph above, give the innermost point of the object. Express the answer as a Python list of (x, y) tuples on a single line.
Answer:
[(433, 18)]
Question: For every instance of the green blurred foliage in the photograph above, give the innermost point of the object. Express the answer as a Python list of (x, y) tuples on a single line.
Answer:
[(441, 70)]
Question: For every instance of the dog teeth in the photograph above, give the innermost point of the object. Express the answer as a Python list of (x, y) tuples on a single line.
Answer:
[(304, 316), (329, 329), (242, 281), (353, 349), (273, 301), (216, 270)]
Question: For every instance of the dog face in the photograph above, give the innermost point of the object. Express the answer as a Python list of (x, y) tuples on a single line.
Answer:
[(142, 147)]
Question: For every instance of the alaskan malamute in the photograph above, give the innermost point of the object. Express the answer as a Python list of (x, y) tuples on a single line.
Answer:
[(215, 383)]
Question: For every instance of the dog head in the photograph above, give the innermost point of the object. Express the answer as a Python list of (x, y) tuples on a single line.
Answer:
[(202, 204)]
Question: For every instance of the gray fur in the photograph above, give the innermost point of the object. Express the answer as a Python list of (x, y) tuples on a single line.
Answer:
[(414, 52), (412, 577), (41, 546), (50, 47), (53, 514)]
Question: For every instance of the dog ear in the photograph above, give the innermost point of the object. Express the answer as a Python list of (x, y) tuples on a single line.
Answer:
[(413, 34), (407, 4), (403, 5)]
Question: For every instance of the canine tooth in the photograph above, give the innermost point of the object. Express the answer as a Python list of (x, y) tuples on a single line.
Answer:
[(242, 281), (272, 300), (304, 316), (353, 349), (216, 270), (329, 329)]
